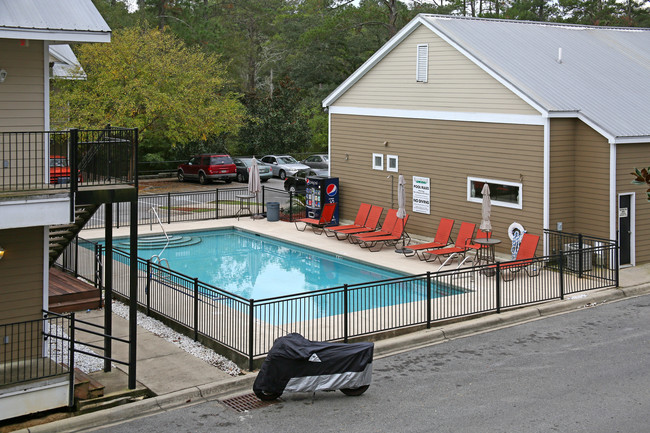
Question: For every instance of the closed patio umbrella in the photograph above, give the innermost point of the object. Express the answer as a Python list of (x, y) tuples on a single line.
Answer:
[(254, 183), (486, 209), (401, 204)]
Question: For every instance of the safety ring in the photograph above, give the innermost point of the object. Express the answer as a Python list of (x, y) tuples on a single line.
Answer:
[(515, 227)]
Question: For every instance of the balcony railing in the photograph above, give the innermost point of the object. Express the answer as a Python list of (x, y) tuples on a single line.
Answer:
[(46, 160)]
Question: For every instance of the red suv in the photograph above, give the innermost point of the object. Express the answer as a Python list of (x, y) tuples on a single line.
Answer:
[(207, 168)]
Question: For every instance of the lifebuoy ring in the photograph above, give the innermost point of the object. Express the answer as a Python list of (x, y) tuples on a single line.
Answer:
[(515, 227)]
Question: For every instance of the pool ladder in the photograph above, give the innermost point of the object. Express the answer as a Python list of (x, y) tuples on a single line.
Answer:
[(158, 258)]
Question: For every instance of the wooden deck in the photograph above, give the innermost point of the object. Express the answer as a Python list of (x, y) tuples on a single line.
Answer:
[(67, 293)]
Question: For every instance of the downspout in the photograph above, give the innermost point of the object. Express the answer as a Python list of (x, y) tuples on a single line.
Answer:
[(613, 205), (547, 180), (329, 141)]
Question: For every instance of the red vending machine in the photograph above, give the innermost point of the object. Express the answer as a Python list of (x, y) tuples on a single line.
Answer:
[(321, 190)]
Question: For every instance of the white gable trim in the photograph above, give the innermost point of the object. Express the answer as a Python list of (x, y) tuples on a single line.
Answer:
[(372, 61), (54, 35), (516, 119)]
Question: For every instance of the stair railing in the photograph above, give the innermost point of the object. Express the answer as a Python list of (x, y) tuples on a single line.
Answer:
[(157, 258)]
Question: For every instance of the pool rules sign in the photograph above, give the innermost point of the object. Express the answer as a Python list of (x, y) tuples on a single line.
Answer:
[(421, 195)]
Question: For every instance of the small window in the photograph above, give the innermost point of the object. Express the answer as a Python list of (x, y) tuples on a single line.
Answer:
[(392, 163), (502, 193), (422, 67), (377, 161)]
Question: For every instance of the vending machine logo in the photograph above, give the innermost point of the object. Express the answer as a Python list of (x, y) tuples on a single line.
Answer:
[(331, 190)]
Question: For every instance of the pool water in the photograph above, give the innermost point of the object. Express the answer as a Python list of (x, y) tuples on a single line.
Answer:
[(254, 266)]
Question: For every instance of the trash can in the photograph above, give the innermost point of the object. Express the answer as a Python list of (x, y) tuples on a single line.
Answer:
[(273, 211)]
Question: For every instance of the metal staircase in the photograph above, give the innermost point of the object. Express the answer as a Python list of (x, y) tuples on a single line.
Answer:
[(61, 235)]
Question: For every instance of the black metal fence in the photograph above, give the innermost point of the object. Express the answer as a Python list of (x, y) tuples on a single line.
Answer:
[(44, 160), (201, 205), (248, 327)]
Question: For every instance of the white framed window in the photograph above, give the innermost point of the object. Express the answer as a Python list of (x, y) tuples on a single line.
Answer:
[(422, 66), (392, 163), (502, 193), (377, 161)]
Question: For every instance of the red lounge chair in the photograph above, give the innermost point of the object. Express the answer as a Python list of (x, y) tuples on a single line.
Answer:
[(386, 228), (465, 235), (442, 238), (325, 218), (398, 233), (524, 259), (359, 221), (369, 226)]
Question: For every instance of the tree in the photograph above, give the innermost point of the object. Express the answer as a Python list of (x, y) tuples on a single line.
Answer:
[(150, 80)]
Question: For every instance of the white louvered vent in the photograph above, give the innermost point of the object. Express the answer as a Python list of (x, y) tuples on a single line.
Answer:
[(422, 70)]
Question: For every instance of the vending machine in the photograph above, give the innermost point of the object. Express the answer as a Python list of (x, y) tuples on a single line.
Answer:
[(320, 190)]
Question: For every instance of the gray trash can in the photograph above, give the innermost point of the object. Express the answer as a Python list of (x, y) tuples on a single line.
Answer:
[(273, 211)]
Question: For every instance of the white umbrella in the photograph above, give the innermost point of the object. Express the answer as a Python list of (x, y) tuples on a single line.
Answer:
[(401, 197), (254, 183), (486, 210)]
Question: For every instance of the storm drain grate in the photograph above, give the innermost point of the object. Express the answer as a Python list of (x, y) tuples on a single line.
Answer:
[(246, 402)]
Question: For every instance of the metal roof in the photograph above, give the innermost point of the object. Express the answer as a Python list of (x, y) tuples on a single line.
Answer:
[(60, 20), (602, 76), (64, 63)]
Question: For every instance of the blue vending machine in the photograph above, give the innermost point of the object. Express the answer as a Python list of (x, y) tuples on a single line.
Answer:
[(320, 190)]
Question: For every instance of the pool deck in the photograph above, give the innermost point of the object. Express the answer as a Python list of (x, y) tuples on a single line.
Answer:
[(178, 379)]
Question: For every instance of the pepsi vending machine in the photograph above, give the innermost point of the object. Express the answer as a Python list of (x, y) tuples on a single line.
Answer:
[(320, 190)]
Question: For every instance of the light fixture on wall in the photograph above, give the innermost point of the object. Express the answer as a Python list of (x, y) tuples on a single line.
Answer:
[(2, 252), (347, 156), (3, 75)]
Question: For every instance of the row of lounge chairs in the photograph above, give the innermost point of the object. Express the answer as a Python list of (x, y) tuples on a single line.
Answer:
[(366, 232)]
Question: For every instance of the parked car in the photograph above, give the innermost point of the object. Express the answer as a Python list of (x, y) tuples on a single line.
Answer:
[(321, 161), (59, 169), (208, 167), (244, 167), (283, 165), (298, 182)]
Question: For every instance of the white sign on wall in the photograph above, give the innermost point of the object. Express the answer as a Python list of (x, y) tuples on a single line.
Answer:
[(421, 195)]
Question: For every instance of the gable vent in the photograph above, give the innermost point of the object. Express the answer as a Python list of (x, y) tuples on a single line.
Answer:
[(422, 63)]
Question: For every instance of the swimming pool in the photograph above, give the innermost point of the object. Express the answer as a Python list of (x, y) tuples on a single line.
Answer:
[(255, 266)]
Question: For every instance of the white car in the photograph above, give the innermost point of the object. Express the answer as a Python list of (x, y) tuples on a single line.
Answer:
[(283, 165)]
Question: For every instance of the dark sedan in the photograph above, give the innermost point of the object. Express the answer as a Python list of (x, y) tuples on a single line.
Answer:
[(243, 166), (298, 183)]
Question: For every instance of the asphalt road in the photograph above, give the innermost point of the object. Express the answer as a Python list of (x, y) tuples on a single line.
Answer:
[(587, 371)]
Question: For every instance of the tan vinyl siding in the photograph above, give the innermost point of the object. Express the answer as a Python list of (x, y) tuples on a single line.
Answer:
[(562, 174), (454, 84), (628, 157), (21, 274), (446, 152), (22, 93), (591, 182)]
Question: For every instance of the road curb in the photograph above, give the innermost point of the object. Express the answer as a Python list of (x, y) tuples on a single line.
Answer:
[(383, 348)]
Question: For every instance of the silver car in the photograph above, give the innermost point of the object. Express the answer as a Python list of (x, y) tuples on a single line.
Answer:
[(317, 161), (283, 165)]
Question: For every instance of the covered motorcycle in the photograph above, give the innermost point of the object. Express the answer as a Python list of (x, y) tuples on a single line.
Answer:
[(295, 364)]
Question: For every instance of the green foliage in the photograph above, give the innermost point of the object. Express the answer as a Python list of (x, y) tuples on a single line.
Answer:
[(150, 80), (642, 177)]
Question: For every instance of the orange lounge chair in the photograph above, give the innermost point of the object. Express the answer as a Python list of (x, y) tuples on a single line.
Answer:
[(369, 226), (465, 234), (398, 233), (480, 234), (524, 259), (386, 228), (359, 221), (442, 238), (325, 218)]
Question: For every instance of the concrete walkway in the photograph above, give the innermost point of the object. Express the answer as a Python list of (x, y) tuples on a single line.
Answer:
[(178, 378)]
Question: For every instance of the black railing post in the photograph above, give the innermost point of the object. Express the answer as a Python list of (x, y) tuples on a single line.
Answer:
[(147, 287), (345, 313), (616, 260), (169, 207), (251, 332), (216, 203), (290, 206), (117, 214), (428, 299), (108, 289), (498, 286), (580, 264), (74, 171), (561, 272), (263, 199), (76, 256), (71, 362), (134, 150), (196, 309)]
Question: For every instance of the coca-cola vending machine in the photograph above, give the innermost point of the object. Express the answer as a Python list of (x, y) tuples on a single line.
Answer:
[(320, 190)]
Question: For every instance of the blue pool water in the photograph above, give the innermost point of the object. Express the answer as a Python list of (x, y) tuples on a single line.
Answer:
[(255, 266)]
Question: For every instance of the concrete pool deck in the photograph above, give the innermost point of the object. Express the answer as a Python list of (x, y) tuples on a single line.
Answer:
[(179, 380)]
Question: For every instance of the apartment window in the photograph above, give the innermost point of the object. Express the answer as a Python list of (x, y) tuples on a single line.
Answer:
[(502, 193), (392, 163), (422, 68), (377, 161)]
